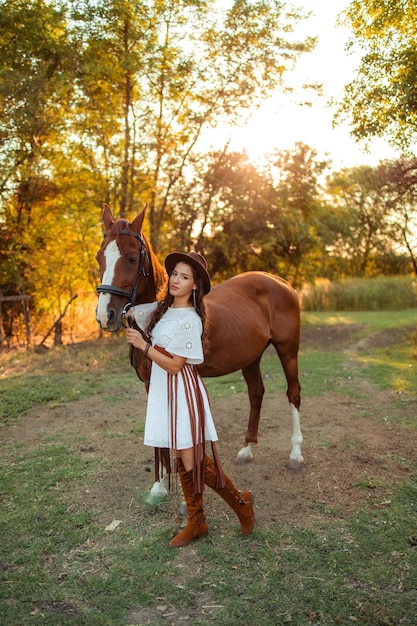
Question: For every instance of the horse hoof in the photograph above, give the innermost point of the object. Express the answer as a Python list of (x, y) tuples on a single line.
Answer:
[(158, 493), (295, 465), (243, 460), (244, 455)]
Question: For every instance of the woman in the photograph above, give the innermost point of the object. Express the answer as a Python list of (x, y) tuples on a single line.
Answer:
[(178, 414)]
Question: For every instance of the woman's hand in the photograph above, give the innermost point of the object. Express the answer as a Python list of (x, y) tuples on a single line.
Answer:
[(135, 338)]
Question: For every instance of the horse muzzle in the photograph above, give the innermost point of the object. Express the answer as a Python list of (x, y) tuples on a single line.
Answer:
[(109, 316)]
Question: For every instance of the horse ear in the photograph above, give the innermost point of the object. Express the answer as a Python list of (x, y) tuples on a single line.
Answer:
[(137, 223), (107, 217)]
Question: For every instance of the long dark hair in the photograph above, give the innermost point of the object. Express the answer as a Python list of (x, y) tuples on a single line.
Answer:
[(165, 300)]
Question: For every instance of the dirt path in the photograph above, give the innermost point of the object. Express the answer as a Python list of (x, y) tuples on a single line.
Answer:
[(353, 456)]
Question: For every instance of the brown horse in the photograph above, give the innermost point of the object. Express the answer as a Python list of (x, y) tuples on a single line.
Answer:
[(245, 314)]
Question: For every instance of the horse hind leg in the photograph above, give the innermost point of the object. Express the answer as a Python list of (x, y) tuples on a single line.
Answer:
[(296, 460), (290, 366), (256, 390)]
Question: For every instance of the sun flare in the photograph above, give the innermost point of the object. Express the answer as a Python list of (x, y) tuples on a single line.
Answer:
[(279, 123)]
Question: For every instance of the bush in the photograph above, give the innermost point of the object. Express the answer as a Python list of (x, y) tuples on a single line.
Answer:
[(361, 294)]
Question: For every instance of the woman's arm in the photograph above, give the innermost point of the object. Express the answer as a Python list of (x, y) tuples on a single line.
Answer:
[(171, 364)]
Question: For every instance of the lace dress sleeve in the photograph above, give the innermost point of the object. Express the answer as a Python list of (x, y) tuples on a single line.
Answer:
[(142, 313), (187, 340)]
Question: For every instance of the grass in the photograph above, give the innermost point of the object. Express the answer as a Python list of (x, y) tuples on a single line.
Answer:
[(64, 569), (372, 321), (323, 370), (400, 375), (69, 373), (59, 566), (393, 367), (301, 576), (76, 371)]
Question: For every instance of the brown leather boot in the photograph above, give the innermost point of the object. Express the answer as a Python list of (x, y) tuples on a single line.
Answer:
[(240, 501), (196, 526)]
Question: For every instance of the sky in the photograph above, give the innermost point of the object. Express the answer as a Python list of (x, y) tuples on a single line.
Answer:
[(279, 123)]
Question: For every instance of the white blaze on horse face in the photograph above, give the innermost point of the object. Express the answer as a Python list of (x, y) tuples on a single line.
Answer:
[(112, 255)]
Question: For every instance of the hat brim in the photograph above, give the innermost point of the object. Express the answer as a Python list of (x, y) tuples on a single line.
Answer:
[(177, 257)]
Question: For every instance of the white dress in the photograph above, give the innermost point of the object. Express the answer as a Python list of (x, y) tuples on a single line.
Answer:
[(179, 332)]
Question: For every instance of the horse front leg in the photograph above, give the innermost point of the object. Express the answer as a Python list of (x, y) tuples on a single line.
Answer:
[(158, 492), (163, 469), (256, 390)]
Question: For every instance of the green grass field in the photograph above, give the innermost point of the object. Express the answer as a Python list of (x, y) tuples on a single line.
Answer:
[(59, 566)]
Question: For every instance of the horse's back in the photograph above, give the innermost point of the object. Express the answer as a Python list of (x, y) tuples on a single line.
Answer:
[(254, 294), (244, 315)]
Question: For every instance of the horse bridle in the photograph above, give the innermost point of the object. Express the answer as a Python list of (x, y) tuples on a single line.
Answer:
[(117, 291)]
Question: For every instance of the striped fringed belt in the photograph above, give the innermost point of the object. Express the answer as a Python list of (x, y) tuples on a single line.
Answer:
[(195, 405)]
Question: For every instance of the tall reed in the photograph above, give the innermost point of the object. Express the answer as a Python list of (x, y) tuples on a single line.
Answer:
[(361, 294)]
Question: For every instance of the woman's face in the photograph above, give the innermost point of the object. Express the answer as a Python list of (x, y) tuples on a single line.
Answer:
[(181, 281)]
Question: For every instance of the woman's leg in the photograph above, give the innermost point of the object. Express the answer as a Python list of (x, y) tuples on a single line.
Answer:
[(240, 501), (187, 458), (196, 525)]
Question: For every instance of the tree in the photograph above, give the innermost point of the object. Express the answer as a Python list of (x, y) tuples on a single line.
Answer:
[(238, 197), (381, 101), (113, 39), (399, 179), (107, 101), (35, 79), (357, 230), (252, 219), (293, 212), (171, 70), (35, 83)]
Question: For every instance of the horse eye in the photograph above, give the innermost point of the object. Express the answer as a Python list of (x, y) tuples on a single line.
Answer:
[(132, 260)]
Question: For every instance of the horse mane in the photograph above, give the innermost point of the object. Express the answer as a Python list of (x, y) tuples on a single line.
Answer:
[(158, 270), (117, 227)]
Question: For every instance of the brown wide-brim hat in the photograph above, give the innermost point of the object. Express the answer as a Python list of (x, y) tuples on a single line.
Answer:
[(197, 262)]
